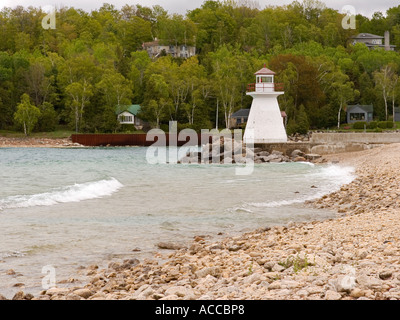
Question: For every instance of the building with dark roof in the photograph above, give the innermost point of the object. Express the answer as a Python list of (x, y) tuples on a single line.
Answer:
[(157, 48), (240, 117), (373, 41), (397, 114), (358, 113)]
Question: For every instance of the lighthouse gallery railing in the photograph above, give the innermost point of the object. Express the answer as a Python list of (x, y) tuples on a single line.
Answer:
[(265, 87)]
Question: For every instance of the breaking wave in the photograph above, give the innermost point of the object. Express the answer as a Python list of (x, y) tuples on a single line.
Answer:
[(73, 193), (329, 179)]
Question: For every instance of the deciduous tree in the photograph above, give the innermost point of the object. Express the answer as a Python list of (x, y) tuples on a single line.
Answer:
[(27, 114), (385, 81), (79, 94)]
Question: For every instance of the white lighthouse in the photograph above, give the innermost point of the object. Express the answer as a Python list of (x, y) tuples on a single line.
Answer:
[(265, 123)]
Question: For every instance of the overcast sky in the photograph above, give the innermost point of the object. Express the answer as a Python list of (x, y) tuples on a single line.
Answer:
[(365, 7)]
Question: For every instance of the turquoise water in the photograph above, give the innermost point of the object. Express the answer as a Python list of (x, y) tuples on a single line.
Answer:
[(76, 207)]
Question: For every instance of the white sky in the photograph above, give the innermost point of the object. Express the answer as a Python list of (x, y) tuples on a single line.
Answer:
[(365, 7)]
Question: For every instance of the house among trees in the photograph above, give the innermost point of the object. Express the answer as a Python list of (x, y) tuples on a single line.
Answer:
[(156, 49), (357, 113), (397, 114), (239, 118), (128, 115), (372, 41)]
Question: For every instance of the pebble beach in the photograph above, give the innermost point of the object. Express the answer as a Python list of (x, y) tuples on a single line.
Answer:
[(353, 256), (29, 142)]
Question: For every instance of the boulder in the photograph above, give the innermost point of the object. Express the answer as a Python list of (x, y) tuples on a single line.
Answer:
[(84, 293), (384, 275), (332, 295), (264, 158), (213, 271), (345, 283), (143, 292), (20, 295), (248, 153), (73, 296), (170, 246), (185, 160), (297, 153), (227, 160), (357, 293), (57, 291), (239, 159), (194, 159), (272, 157), (278, 268), (254, 278), (312, 156), (299, 159), (369, 282), (179, 291), (263, 154), (129, 263)]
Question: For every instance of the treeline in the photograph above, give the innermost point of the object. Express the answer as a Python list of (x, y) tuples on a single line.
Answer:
[(79, 72)]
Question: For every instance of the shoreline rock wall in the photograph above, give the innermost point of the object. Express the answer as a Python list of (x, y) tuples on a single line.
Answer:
[(29, 142), (225, 150)]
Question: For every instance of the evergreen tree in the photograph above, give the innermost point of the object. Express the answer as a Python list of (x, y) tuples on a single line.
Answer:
[(302, 123)]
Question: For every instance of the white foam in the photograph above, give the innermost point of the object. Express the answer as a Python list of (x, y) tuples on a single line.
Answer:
[(334, 178), (307, 163), (11, 254), (240, 209), (73, 193), (339, 172)]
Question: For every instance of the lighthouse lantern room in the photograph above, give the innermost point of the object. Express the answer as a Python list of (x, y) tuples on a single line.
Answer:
[(265, 80)]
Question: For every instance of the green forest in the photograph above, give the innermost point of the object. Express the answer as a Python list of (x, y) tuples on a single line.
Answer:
[(78, 73)]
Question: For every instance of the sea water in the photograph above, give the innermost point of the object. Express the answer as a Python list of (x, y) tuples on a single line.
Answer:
[(68, 208)]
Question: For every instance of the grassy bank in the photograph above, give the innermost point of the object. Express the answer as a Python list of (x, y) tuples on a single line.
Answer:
[(350, 128), (61, 132)]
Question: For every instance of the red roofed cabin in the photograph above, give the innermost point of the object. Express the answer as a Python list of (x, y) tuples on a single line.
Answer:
[(265, 82)]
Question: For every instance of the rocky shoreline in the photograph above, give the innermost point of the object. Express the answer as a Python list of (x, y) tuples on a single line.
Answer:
[(354, 256), (225, 150), (6, 142)]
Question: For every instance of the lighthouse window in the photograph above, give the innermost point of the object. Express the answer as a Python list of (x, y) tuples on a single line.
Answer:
[(265, 79)]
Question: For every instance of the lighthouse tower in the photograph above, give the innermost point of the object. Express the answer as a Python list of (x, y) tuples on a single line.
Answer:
[(265, 123)]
